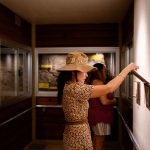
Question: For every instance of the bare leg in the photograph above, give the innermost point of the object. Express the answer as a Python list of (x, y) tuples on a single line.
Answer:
[(98, 142)]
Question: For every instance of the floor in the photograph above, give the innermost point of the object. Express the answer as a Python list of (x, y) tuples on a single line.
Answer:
[(58, 145), (45, 145)]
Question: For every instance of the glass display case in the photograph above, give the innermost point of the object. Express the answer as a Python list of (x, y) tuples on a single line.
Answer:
[(48, 64), (48, 60), (15, 74)]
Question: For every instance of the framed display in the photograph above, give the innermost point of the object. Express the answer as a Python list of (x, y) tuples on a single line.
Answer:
[(47, 74), (146, 88), (15, 74), (8, 78), (138, 93), (147, 94), (48, 60)]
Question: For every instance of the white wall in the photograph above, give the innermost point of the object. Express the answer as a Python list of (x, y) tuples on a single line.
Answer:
[(141, 114)]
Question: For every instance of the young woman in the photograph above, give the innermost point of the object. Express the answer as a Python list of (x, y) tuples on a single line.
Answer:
[(100, 108), (75, 94)]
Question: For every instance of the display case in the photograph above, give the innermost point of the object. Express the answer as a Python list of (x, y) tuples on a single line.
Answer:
[(15, 74), (48, 60)]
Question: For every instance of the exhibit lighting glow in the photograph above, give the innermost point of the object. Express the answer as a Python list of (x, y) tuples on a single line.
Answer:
[(8, 61), (46, 66), (98, 57)]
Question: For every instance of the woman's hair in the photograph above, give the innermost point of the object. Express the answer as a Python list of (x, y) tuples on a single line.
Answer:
[(109, 76), (63, 77), (97, 74)]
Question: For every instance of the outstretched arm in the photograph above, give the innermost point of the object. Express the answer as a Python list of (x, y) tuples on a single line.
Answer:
[(112, 85)]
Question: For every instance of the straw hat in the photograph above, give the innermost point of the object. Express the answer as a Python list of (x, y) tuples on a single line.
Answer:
[(77, 61)]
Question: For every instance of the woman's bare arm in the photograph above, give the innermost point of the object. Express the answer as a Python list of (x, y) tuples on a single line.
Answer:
[(99, 90), (103, 99)]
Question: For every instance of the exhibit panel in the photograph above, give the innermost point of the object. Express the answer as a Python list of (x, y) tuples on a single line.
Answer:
[(48, 60), (15, 74)]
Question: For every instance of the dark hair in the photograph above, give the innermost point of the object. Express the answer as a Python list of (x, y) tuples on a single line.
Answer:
[(109, 76), (99, 66), (63, 77), (97, 74)]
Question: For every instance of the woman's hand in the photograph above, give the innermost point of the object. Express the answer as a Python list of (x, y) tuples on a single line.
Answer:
[(132, 67)]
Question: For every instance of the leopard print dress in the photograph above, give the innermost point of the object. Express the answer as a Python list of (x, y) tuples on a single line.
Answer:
[(75, 106)]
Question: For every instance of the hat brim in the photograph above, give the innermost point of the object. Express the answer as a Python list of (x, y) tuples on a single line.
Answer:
[(82, 68)]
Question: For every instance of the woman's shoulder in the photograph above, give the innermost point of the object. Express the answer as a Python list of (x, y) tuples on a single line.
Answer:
[(78, 85), (97, 82)]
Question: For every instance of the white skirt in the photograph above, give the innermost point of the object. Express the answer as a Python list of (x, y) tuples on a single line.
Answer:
[(102, 129)]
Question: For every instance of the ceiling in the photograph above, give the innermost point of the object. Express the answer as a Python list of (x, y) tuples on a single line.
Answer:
[(69, 11)]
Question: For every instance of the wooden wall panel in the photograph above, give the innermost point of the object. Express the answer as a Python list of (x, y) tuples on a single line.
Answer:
[(17, 133), (46, 101), (13, 27), (127, 27), (50, 123), (50, 120), (77, 35)]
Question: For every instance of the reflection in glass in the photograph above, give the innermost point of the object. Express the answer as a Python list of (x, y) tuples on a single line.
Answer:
[(20, 72), (14, 75), (7, 76)]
